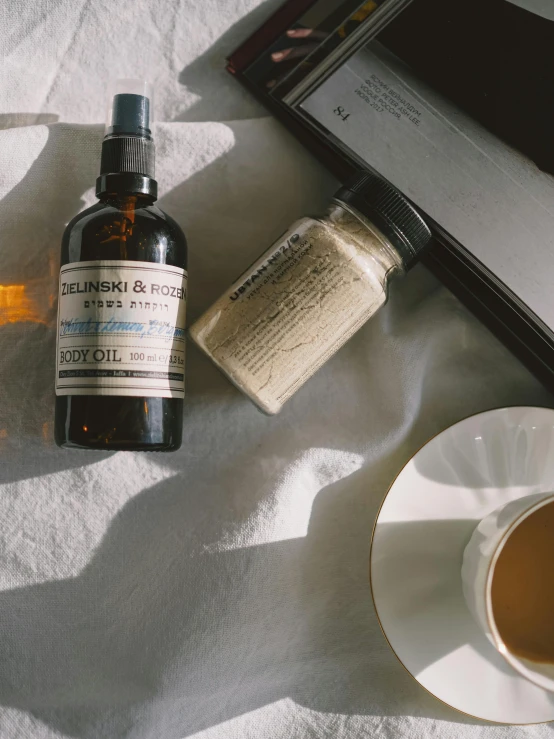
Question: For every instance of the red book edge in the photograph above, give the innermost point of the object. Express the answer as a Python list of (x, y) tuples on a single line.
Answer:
[(266, 34)]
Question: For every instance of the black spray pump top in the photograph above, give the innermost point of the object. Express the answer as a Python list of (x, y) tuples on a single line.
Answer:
[(130, 115), (127, 164)]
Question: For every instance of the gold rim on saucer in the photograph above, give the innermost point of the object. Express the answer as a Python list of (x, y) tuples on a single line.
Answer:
[(458, 710)]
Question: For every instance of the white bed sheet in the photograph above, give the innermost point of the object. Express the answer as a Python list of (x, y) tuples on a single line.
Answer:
[(222, 591)]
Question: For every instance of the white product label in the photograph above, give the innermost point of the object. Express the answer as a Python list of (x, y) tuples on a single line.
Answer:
[(121, 329)]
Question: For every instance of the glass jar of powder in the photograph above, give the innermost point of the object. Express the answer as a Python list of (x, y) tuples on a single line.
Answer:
[(309, 292)]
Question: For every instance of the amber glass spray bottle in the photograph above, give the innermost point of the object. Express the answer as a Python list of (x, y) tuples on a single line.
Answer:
[(121, 311)]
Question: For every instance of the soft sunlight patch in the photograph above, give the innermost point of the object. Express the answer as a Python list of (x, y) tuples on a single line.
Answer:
[(285, 504)]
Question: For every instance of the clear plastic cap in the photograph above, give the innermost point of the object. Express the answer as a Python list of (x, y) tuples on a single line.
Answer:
[(130, 108)]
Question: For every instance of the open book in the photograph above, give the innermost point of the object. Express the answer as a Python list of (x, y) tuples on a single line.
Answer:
[(454, 104)]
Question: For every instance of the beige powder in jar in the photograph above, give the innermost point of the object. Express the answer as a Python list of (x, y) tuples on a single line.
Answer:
[(307, 294), (297, 305)]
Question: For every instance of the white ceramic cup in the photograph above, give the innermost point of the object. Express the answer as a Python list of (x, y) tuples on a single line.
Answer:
[(480, 558)]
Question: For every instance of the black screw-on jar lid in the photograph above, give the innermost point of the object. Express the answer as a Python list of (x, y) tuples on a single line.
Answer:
[(393, 215)]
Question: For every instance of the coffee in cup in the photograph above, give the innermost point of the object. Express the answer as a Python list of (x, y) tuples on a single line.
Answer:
[(522, 591), (508, 584)]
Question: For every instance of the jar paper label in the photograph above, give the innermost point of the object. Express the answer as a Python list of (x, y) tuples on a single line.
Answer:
[(121, 329)]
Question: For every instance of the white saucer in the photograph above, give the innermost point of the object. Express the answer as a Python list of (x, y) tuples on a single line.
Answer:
[(420, 534)]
